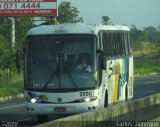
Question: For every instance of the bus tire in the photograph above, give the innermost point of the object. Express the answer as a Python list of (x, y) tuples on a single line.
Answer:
[(106, 100), (42, 118), (126, 93)]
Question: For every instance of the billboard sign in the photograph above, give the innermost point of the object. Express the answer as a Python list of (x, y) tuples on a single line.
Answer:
[(28, 8)]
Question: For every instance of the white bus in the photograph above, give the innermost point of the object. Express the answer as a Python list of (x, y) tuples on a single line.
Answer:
[(55, 82)]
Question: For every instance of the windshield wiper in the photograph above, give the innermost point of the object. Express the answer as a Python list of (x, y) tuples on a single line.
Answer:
[(70, 76), (51, 77), (55, 72)]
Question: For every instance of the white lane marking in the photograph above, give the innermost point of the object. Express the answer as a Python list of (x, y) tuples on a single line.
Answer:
[(144, 83), (12, 106)]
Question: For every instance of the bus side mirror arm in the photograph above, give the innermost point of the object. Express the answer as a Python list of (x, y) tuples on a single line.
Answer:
[(99, 51), (103, 62)]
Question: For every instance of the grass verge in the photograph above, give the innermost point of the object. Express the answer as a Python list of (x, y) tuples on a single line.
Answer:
[(144, 71), (145, 68)]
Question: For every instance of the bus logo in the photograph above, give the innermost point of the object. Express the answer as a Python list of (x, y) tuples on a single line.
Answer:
[(59, 99)]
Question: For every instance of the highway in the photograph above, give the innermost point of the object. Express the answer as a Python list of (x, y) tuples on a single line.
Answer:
[(14, 110), (146, 86)]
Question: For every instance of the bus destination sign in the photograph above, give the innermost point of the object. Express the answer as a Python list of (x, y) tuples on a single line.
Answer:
[(28, 8)]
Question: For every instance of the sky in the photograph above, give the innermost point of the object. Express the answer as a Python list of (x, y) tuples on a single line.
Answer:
[(141, 13)]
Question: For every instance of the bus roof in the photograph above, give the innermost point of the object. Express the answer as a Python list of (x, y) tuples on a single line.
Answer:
[(75, 29)]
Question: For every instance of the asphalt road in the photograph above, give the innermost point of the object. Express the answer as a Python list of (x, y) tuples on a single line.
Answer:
[(13, 112), (146, 86)]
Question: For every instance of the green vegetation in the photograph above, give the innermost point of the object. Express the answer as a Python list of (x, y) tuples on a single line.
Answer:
[(146, 58), (105, 20), (145, 68), (11, 84), (146, 50), (68, 13)]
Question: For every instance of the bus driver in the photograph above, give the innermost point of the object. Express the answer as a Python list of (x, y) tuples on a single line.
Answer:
[(84, 66)]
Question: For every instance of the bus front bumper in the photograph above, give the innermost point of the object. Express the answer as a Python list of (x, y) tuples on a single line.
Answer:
[(72, 108)]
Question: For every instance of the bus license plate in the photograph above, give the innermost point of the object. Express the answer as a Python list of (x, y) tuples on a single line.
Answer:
[(60, 109)]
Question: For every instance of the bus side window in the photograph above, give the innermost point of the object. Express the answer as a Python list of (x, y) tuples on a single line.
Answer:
[(107, 44), (120, 47), (111, 45), (114, 45), (126, 43), (117, 45), (129, 44), (99, 44), (98, 39), (122, 44)]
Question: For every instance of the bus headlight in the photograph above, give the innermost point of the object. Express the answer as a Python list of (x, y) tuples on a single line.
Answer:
[(87, 99), (35, 100)]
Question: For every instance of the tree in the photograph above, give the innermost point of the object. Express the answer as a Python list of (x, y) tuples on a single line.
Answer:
[(5, 29), (136, 33), (105, 20), (150, 34), (158, 33), (5, 59), (8, 55), (23, 24), (68, 13), (2, 20)]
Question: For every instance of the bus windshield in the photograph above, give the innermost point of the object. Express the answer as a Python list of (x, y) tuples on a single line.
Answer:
[(61, 62)]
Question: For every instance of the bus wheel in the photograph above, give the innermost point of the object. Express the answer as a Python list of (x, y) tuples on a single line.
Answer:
[(106, 100), (126, 93), (42, 118)]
